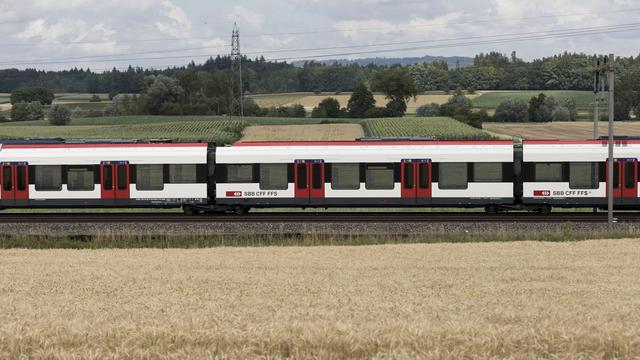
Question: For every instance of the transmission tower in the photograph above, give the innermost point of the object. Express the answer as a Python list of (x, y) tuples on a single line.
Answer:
[(237, 106)]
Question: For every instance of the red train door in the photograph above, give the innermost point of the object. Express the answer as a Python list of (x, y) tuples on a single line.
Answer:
[(114, 180), (625, 179), (309, 179), (15, 181), (415, 179)]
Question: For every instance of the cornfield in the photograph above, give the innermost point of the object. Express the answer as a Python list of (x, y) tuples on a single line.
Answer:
[(439, 127), (474, 300)]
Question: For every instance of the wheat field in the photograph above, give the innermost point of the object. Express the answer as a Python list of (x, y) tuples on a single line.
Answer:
[(314, 132), (474, 300)]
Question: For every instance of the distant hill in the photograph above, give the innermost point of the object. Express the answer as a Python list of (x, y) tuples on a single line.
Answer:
[(452, 61)]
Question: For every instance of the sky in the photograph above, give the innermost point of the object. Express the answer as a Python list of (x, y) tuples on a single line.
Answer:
[(102, 34)]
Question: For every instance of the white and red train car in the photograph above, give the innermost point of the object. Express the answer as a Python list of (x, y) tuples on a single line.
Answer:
[(570, 173), (365, 173), (97, 174), (496, 175)]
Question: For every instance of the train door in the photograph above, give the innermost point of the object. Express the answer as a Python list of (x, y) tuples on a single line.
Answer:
[(114, 180), (15, 182), (416, 180), (309, 179), (625, 179)]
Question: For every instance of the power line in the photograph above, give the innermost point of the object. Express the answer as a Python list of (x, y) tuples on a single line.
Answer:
[(505, 38)]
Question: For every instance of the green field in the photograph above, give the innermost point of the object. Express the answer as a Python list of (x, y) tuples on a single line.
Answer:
[(441, 128), (491, 100), (221, 130)]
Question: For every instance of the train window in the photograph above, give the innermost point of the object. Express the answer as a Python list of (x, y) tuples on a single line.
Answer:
[(316, 176), (149, 177), (21, 177), (548, 172), (7, 181), (423, 176), (408, 175), (182, 173), (240, 173), (629, 175), (583, 175), (452, 176), (487, 172), (48, 178), (301, 181), (107, 177), (122, 177), (379, 177), (345, 176), (273, 177), (80, 178)]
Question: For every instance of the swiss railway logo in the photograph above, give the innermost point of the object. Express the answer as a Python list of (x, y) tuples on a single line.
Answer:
[(541, 192), (234, 193)]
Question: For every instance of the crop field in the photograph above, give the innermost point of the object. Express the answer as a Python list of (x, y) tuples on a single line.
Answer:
[(319, 132), (579, 130), (269, 100), (440, 127), (215, 129), (491, 99), (449, 301), (311, 101)]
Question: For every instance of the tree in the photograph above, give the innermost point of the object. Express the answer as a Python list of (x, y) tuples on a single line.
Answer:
[(457, 106), (541, 108), (42, 95), (296, 111), (35, 111), (428, 110), (397, 85), (561, 114), (95, 98), (512, 110), (572, 108), (59, 115), (19, 112), (377, 112), (360, 102), (327, 108), (162, 95)]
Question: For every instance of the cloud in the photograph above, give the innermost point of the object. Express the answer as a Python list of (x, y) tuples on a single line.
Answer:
[(177, 22)]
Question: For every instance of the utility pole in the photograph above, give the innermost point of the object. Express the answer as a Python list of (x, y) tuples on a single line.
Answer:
[(237, 93), (596, 97), (610, 81)]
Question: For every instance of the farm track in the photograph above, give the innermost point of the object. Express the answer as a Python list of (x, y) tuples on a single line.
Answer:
[(397, 217)]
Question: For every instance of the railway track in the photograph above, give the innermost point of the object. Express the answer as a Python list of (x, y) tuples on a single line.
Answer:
[(353, 217)]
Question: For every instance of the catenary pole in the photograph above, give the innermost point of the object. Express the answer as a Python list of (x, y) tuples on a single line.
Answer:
[(596, 86), (610, 81)]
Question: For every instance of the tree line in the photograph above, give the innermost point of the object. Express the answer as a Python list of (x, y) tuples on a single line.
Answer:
[(491, 71)]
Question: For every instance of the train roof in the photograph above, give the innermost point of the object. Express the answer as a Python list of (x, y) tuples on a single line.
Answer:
[(374, 143), (59, 143)]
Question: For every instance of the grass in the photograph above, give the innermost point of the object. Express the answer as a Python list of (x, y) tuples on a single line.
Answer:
[(449, 301), (440, 127), (491, 100)]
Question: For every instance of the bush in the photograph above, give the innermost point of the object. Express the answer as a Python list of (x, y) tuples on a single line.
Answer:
[(59, 115), (360, 102), (428, 110), (2, 117), (77, 112), (296, 111), (112, 94), (458, 106), (195, 109), (561, 114), (170, 108), (317, 92), (249, 107), (541, 108), (42, 95), (476, 119), (35, 111), (19, 112), (377, 112), (95, 98), (328, 108), (570, 104), (512, 110)]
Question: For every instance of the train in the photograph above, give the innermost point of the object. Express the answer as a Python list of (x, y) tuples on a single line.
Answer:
[(201, 177)]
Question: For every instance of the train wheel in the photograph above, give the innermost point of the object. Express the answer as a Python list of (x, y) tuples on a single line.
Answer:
[(241, 210), (491, 209), (188, 210), (544, 210)]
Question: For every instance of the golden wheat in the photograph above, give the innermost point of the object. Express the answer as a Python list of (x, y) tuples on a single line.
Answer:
[(483, 300), (315, 132)]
